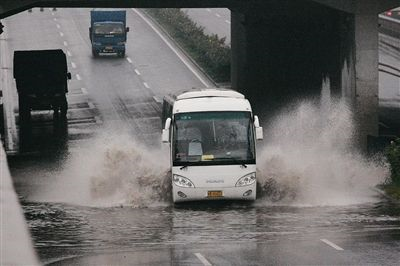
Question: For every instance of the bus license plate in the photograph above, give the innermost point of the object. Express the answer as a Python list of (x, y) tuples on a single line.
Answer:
[(214, 194), (109, 47)]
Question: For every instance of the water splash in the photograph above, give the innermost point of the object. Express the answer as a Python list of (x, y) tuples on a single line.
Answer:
[(346, 80), (112, 170), (309, 157)]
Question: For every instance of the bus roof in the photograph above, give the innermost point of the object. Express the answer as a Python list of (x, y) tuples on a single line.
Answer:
[(200, 93), (205, 104)]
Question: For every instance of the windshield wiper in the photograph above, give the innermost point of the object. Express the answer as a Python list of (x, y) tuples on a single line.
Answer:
[(232, 159), (187, 164)]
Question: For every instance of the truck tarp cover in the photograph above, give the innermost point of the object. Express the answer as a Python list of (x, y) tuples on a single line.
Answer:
[(40, 71), (101, 16)]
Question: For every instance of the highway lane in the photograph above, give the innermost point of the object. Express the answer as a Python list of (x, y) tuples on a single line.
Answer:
[(101, 199), (138, 78)]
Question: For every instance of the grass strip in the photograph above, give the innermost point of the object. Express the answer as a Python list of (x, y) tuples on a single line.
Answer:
[(209, 51)]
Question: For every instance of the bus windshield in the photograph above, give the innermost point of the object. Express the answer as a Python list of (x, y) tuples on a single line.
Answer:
[(212, 138)]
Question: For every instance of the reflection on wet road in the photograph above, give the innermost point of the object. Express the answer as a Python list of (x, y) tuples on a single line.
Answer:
[(63, 231)]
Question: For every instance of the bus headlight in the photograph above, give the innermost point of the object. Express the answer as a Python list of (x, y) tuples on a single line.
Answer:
[(246, 180), (182, 181)]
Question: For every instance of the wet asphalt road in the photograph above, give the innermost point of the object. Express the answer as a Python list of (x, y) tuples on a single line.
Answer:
[(84, 208), (225, 234)]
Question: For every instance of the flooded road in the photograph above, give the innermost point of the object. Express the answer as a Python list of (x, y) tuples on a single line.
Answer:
[(106, 217), (62, 232), (95, 191), (107, 201)]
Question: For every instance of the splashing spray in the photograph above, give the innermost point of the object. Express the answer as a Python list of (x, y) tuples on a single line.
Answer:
[(112, 170), (309, 157)]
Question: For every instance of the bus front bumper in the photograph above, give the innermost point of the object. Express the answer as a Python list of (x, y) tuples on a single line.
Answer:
[(181, 194)]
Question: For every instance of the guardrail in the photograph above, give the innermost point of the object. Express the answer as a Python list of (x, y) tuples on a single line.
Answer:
[(390, 26)]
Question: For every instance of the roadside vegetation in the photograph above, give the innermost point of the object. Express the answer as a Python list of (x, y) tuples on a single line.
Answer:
[(392, 153), (209, 51)]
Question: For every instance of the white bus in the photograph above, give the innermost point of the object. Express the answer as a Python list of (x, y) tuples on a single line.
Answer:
[(212, 135)]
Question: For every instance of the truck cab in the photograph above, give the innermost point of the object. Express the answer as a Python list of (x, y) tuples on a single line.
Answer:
[(108, 32)]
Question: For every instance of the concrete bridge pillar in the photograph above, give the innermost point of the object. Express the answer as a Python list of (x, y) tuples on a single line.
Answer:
[(283, 50), (366, 69)]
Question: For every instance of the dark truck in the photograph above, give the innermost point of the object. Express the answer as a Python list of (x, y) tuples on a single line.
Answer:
[(41, 78), (108, 32)]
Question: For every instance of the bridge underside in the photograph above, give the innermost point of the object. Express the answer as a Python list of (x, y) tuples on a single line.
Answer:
[(11, 7), (284, 56), (283, 49)]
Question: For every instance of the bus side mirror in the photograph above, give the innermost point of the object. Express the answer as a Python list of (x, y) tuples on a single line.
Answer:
[(259, 130), (90, 33), (165, 131), (69, 75), (127, 29)]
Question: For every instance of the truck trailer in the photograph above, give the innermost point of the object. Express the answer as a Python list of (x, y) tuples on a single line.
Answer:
[(212, 137), (41, 78)]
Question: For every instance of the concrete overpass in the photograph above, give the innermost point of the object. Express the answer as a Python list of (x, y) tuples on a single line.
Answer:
[(282, 49)]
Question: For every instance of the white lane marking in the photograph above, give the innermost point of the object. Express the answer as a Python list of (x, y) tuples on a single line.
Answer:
[(55, 19), (202, 259), (227, 21), (84, 91), (58, 26), (129, 60), (78, 77), (65, 43), (137, 72), (61, 34), (209, 10), (172, 48), (69, 53), (329, 243), (52, 13), (218, 15), (146, 85), (73, 65)]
